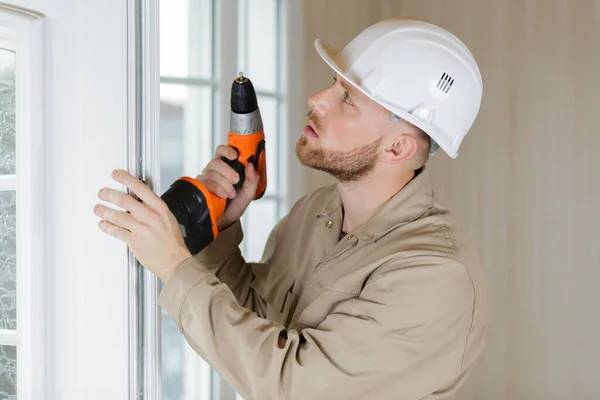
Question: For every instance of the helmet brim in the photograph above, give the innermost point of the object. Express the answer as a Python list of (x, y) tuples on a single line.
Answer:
[(331, 56)]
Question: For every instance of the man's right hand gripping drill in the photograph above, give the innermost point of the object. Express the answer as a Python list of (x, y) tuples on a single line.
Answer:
[(219, 178)]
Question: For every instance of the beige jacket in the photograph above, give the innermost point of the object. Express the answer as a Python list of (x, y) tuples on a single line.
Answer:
[(395, 310)]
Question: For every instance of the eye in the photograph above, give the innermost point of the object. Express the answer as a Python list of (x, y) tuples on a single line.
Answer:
[(347, 98)]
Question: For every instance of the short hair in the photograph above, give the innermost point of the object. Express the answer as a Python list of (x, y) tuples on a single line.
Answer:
[(423, 148)]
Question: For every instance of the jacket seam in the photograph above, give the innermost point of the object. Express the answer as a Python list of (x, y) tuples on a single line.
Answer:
[(327, 288), (378, 235), (452, 246), (447, 233), (462, 363), (185, 296)]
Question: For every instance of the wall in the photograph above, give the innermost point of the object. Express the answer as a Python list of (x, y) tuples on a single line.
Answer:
[(526, 184)]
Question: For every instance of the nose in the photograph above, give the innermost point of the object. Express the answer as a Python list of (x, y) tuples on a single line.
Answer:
[(319, 103)]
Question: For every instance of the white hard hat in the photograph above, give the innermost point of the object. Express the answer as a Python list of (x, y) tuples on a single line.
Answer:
[(420, 72)]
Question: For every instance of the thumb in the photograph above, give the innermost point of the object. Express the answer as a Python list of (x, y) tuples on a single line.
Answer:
[(251, 182)]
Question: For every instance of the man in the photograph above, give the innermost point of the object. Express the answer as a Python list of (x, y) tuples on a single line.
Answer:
[(366, 289)]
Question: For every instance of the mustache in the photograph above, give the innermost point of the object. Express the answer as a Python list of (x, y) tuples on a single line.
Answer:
[(314, 119)]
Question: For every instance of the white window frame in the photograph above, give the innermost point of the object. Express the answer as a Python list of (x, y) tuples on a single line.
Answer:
[(149, 361), (75, 108), (21, 32)]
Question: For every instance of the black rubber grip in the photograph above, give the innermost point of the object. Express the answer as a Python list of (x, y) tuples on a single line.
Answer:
[(240, 169), (188, 205), (259, 149)]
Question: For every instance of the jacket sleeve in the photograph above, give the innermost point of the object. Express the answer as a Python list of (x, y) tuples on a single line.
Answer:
[(403, 337), (224, 258)]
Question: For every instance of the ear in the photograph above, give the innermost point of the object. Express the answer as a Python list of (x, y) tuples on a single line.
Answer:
[(400, 148)]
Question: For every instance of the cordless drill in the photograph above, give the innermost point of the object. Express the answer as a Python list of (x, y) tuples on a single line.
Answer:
[(196, 209)]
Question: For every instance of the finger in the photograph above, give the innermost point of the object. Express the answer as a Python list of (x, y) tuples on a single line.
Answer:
[(118, 218), (252, 176), (224, 169), (251, 182), (140, 211), (142, 191), (216, 189), (220, 181), (120, 233), (226, 151)]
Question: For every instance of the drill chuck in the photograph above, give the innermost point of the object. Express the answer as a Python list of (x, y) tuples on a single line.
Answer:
[(243, 96), (245, 115)]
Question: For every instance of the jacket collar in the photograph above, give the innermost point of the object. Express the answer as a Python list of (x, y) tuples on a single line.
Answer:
[(407, 205)]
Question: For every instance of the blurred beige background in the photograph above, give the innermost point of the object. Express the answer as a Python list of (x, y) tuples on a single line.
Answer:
[(526, 185)]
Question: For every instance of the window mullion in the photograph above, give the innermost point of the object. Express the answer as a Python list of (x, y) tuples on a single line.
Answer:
[(8, 337), (278, 158), (8, 182), (226, 64), (187, 81)]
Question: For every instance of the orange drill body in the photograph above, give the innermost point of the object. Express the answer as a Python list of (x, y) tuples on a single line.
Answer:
[(251, 147), (197, 210)]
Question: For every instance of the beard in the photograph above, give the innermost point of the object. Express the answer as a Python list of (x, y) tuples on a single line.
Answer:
[(345, 166)]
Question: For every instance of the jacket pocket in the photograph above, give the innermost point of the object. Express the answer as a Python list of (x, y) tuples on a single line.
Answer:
[(316, 311), (288, 307), (276, 287)]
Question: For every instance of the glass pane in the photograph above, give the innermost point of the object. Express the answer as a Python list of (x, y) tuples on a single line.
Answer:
[(258, 42), (185, 148), (184, 374), (258, 221), (172, 359), (8, 265), (185, 131), (8, 372), (268, 112), (7, 113), (186, 38)]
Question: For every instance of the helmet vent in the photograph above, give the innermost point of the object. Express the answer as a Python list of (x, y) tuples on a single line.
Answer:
[(445, 83)]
